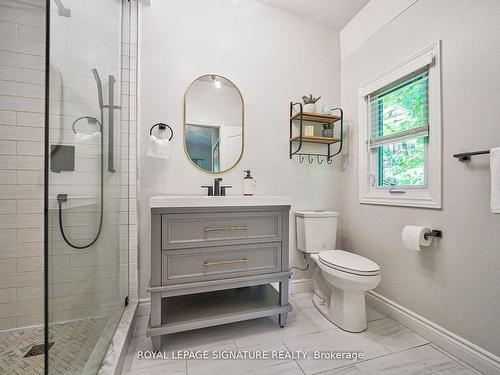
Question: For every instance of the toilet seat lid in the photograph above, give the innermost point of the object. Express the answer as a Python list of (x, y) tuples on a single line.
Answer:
[(349, 262)]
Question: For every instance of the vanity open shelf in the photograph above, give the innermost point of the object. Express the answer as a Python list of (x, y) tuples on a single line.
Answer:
[(183, 313), (298, 140)]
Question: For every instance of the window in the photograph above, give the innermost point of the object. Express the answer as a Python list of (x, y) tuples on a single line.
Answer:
[(401, 134)]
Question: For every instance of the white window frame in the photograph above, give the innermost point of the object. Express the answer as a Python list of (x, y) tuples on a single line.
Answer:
[(430, 195)]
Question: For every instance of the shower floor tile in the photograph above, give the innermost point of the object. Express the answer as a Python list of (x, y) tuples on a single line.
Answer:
[(73, 345)]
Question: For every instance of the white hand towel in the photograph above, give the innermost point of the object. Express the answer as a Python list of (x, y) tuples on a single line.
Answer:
[(495, 179), (158, 148), (88, 144), (90, 138)]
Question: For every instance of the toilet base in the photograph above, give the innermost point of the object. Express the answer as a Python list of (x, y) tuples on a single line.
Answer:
[(356, 325)]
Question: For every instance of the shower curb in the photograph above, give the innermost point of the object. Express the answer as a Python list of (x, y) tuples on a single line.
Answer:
[(117, 350)]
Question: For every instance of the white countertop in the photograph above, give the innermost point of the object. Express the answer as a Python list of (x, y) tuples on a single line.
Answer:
[(160, 201)]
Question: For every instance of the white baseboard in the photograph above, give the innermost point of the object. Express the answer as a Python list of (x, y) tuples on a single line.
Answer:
[(473, 355), (296, 286), (301, 286)]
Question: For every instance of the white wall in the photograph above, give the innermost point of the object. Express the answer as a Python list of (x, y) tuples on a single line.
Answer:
[(370, 19), (273, 57), (454, 284)]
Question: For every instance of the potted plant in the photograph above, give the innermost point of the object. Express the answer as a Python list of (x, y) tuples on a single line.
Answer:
[(309, 103), (327, 130)]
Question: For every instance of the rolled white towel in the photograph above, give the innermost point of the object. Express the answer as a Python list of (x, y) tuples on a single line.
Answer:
[(158, 148), (88, 144), (91, 138), (495, 179)]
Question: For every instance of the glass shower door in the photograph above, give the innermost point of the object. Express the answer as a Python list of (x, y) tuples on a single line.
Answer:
[(87, 182)]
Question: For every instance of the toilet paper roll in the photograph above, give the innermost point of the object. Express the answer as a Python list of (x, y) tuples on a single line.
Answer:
[(414, 237)]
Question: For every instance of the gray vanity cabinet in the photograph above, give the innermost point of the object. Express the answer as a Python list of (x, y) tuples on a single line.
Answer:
[(214, 265)]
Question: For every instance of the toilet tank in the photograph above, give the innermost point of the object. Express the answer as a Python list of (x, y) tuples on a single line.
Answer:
[(316, 230)]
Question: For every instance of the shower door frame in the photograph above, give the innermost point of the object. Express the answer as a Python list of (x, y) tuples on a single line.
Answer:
[(46, 192)]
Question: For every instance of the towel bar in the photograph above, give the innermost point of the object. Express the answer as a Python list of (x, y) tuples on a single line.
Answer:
[(465, 156)]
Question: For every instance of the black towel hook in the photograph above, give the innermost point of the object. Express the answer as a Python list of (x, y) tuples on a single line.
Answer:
[(330, 161), (162, 126), (311, 160), (320, 158)]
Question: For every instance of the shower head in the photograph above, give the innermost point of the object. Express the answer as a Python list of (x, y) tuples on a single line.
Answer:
[(62, 10), (99, 87)]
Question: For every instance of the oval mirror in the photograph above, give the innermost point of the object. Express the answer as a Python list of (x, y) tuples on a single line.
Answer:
[(213, 123)]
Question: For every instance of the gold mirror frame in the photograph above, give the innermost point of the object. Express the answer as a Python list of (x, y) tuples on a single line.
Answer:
[(242, 124)]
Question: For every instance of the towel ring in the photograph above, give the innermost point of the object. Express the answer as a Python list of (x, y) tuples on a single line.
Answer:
[(162, 126), (90, 119)]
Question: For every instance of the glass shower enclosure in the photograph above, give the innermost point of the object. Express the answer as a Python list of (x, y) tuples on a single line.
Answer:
[(67, 89), (87, 180)]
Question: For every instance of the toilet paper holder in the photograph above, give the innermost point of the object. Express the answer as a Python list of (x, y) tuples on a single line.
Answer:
[(434, 233)]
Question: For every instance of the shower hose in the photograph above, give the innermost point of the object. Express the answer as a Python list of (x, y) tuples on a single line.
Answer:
[(61, 198)]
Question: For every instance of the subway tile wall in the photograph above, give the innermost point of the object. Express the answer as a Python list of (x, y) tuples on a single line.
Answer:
[(82, 281), (21, 162)]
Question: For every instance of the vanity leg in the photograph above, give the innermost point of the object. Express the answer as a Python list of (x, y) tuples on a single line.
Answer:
[(156, 319), (283, 302)]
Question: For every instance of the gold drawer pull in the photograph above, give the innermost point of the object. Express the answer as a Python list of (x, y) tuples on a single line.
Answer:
[(218, 263), (226, 229)]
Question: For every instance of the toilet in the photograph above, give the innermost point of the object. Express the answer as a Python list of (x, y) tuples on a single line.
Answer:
[(340, 278)]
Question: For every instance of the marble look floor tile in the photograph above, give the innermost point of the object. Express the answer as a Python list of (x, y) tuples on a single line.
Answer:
[(257, 331), (276, 344), (349, 370), (170, 367), (458, 369), (373, 314), (461, 366), (302, 300), (393, 336), (333, 340), (212, 338), (140, 365), (318, 319), (242, 366), (424, 360), (287, 368)]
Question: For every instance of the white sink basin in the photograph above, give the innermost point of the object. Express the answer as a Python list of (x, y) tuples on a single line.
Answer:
[(204, 201)]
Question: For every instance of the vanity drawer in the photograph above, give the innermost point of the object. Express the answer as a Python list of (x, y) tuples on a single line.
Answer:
[(219, 228), (201, 264)]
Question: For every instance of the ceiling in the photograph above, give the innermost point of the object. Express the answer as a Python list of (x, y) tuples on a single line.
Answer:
[(332, 13)]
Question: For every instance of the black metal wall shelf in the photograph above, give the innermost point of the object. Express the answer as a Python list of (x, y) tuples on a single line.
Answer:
[(317, 118)]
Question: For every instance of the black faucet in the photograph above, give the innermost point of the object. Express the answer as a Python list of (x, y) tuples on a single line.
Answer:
[(217, 189), (217, 186)]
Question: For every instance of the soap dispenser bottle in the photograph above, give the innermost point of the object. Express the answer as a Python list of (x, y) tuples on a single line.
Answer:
[(248, 184)]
